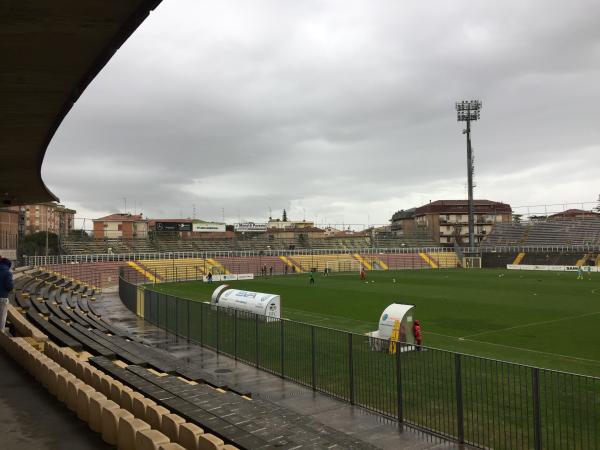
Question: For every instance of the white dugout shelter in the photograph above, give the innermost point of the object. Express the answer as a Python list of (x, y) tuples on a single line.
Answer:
[(260, 303), (396, 312)]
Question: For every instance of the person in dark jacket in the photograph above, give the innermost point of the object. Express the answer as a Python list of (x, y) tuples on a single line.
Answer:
[(6, 285)]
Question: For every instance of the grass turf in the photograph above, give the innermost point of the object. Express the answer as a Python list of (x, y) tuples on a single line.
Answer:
[(545, 319)]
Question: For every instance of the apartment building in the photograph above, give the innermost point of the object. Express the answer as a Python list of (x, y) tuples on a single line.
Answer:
[(447, 221)]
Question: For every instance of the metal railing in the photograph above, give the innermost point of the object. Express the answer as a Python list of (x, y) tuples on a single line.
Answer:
[(541, 248), (478, 401), (112, 257)]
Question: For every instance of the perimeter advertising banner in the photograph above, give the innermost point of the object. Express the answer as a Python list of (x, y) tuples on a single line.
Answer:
[(552, 268), (230, 277)]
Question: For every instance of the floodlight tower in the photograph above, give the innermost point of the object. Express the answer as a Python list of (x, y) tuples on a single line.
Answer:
[(466, 111)]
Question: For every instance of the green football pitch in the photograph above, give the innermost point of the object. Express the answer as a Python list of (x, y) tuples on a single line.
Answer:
[(545, 319)]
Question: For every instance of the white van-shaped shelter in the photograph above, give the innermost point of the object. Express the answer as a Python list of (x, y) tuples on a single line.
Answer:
[(396, 312), (260, 303)]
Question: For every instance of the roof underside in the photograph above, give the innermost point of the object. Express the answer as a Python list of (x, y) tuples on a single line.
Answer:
[(51, 51)]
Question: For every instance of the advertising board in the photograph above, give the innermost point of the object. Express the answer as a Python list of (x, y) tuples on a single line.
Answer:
[(173, 226), (250, 227), (208, 227), (231, 277), (552, 268)]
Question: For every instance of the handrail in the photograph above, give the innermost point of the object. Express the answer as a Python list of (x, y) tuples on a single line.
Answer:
[(116, 257)]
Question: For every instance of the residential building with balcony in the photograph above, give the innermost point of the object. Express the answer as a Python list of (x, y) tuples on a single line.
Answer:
[(51, 216), (448, 220)]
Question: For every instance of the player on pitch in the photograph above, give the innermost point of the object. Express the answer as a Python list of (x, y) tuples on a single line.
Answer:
[(417, 334)]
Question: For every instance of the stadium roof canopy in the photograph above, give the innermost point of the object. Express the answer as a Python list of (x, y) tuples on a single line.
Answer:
[(51, 51)]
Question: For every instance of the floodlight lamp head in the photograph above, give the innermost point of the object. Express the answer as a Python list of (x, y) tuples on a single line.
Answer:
[(468, 110), (468, 105)]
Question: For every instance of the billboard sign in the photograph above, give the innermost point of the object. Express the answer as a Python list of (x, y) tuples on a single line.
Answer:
[(250, 227), (208, 227), (173, 226)]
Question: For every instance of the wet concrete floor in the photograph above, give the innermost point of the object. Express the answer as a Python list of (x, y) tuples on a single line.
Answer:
[(368, 427), (31, 418)]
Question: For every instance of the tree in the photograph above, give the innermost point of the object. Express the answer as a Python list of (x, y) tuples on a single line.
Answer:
[(597, 208), (517, 218), (35, 244), (284, 217)]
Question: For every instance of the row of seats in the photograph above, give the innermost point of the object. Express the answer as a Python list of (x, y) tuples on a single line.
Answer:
[(181, 386), (182, 268), (169, 243), (444, 260), (577, 232), (345, 262), (196, 268), (123, 417), (105, 404), (93, 274)]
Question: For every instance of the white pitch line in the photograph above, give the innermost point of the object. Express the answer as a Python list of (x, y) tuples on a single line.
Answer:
[(516, 348), (533, 324), (440, 334), (323, 317), (536, 351)]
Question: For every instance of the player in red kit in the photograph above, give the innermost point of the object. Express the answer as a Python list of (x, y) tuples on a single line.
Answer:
[(363, 274), (417, 335)]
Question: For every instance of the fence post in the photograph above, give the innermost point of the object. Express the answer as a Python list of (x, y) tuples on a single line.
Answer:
[(218, 313), (399, 399), (202, 324), (166, 312), (176, 319), (350, 370), (313, 346), (235, 321), (537, 420), (282, 347), (189, 330), (256, 338), (459, 398)]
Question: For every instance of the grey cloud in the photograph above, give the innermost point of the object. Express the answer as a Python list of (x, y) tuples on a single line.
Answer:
[(329, 105)]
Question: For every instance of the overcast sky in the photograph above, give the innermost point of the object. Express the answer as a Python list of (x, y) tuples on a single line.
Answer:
[(339, 111)]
